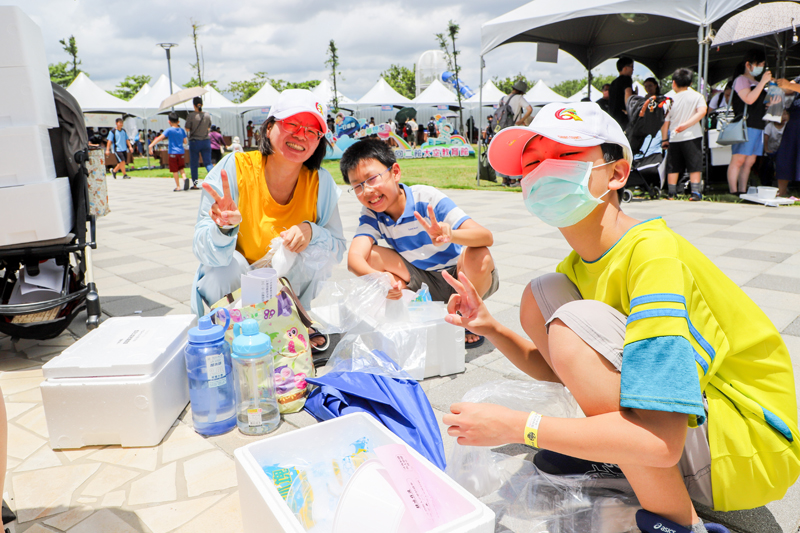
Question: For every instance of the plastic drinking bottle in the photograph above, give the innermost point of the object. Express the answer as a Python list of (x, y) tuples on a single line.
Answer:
[(211, 387), (257, 407)]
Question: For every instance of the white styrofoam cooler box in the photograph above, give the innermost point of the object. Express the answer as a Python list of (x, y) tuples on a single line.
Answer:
[(123, 383), (35, 212), (21, 42), (263, 508), (26, 155), (26, 96)]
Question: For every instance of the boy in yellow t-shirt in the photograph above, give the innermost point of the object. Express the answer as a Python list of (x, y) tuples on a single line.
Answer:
[(686, 385)]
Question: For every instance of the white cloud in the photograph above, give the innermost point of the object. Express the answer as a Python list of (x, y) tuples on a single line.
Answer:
[(286, 38)]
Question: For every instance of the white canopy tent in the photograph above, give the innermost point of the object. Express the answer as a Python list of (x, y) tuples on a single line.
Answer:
[(143, 90), (324, 91), (584, 92), (435, 95), (147, 104), (541, 94), (264, 98), (213, 100), (93, 99), (383, 94), (491, 95)]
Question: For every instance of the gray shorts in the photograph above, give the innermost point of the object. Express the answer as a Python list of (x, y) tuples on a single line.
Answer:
[(439, 288), (603, 328)]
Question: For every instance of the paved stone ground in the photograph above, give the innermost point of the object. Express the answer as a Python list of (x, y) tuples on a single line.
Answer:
[(144, 264)]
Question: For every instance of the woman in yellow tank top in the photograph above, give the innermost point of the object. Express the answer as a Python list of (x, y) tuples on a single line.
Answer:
[(277, 191)]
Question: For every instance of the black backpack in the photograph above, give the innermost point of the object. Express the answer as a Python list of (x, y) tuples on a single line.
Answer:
[(504, 116)]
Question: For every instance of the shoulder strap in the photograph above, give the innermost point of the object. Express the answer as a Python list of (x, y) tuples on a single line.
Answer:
[(305, 318)]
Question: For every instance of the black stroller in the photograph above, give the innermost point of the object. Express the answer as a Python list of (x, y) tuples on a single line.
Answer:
[(48, 319), (646, 117)]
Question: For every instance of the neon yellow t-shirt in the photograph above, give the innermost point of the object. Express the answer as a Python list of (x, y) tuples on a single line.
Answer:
[(263, 218), (691, 329)]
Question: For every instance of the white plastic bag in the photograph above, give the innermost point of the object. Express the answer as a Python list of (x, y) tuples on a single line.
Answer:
[(522, 497), (774, 100), (343, 305), (406, 351)]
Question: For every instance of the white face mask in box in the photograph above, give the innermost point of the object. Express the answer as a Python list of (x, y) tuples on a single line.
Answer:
[(557, 192)]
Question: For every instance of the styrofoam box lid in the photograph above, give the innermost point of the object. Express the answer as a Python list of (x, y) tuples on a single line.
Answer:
[(123, 346), (21, 41)]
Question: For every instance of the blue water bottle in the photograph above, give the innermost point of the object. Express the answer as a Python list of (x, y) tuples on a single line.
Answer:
[(211, 388), (257, 410)]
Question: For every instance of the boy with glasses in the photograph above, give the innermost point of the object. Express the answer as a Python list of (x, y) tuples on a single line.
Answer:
[(426, 232)]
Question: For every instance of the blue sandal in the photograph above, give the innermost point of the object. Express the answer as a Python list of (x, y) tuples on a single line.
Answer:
[(473, 344)]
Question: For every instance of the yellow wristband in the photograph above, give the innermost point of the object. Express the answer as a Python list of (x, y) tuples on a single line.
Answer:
[(532, 429)]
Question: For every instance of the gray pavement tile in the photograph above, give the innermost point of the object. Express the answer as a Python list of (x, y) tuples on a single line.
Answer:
[(720, 221), (129, 306), (553, 253), (116, 261), (153, 236), (783, 213), (733, 235), (776, 283), (758, 520), (791, 227), (150, 273), (181, 294), (707, 210), (793, 328), (758, 255), (179, 243), (443, 396), (158, 311), (129, 229)]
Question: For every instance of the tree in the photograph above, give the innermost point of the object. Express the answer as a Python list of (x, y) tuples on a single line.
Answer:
[(71, 47), (198, 66), (569, 87), (452, 63), (506, 84), (193, 82), (243, 90), (402, 79), (60, 74), (282, 85), (128, 87), (333, 62)]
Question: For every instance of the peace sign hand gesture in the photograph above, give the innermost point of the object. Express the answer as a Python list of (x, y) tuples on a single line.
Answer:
[(440, 232), (466, 308), (224, 211)]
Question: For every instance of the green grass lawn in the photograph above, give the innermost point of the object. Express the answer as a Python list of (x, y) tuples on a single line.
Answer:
[(445, 173)]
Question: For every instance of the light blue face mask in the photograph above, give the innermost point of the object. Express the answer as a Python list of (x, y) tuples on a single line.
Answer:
[(557, 192), (757, 71)]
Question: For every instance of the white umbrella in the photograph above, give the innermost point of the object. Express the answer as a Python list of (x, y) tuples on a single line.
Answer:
[(181, 96), (759, 21)]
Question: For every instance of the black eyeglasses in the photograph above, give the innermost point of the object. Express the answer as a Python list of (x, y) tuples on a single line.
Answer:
[(372, 182)]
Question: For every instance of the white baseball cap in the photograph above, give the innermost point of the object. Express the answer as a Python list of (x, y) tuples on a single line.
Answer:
[(295, 101), (575, 124)]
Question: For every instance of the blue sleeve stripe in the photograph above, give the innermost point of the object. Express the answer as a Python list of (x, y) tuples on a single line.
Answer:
[(700, 361), (661, 297), (443, 207), (461, 221), (651, 313), (369, 221), (778, 424), (366, 235)]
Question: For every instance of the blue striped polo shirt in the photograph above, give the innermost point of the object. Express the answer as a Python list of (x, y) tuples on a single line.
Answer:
[(407, 236)]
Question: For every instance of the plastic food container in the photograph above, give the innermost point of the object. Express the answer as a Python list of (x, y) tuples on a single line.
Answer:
[(767, 193), (264, 509)]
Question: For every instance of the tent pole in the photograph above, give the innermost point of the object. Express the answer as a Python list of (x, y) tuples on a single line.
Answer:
[(701, 49), (146, 143), (480, 125), (589, 75)]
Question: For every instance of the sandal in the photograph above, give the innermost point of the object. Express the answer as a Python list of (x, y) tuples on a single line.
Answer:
[(473, 344), (177, 189), (312, 334)]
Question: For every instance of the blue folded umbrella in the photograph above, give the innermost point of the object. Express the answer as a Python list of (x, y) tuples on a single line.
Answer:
[(399, 404)]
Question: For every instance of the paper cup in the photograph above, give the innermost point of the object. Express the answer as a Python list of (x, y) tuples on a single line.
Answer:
[(369, 503)]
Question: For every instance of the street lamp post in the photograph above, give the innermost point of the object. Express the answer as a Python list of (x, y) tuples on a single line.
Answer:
[(166, 47)]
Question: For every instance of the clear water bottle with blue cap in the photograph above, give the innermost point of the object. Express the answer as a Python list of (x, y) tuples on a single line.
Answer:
[(211, 386), (257, 406)]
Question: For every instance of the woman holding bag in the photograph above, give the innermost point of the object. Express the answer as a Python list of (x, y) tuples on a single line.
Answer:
[(278, 190), (748, 98)]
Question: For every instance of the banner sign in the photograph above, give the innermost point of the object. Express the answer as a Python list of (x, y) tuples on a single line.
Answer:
[(386, 108)]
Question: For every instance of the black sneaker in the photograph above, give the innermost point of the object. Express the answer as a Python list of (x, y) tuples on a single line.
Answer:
[(186, 184), (114, 174), (696, 197), (559, 464), (126, 177)]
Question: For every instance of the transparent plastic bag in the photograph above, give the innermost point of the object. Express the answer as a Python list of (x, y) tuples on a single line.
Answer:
[(522, 497), (342, 305), (391, 352), (775, 102), (313, 264)]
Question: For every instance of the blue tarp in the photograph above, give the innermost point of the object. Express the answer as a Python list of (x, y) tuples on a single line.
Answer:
[(399, 404)]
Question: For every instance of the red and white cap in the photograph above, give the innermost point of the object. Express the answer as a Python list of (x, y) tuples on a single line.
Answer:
[(295, 101), (574, 124)]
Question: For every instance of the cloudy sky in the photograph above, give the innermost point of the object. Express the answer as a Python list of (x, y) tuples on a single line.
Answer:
[(285, 38)]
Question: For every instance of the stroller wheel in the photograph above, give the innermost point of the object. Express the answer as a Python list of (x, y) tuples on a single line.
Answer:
[(627, 195)]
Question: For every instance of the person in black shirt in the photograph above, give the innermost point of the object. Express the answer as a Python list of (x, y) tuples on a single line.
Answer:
[(431, 128), (620, 91), (603, 102)]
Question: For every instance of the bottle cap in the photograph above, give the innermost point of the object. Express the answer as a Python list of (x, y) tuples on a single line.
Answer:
[(206, 331), (248, 341)]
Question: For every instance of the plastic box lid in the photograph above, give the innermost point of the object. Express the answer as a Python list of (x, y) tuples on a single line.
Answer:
[(123, 346), (21, 40)]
